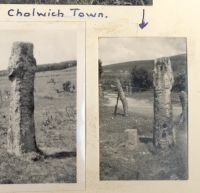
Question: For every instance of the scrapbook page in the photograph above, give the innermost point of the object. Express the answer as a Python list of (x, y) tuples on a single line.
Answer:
[(99, 96)]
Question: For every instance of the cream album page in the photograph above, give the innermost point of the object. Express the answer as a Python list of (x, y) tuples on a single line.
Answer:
[(99, 96)]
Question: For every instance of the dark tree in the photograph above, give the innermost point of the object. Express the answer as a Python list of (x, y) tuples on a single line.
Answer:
[(141, 79), (68, 86)]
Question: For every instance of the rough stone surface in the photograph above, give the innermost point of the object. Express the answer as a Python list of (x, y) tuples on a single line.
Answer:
[(21, 131), (184, 105), (122, 97), (163, 134)]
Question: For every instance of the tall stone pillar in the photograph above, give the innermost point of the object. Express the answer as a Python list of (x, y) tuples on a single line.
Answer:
[(122, 97), (163, 134), (21, 131), (184, 105)]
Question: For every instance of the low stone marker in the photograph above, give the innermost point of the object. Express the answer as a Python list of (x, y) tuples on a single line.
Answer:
[(21, 131), (131, 138)]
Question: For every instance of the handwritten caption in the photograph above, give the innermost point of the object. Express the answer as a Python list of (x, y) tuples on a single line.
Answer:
[(73, 12), (58, 13)]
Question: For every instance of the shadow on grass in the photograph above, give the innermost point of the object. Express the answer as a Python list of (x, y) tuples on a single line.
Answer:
[(56, 155), (60, 155)]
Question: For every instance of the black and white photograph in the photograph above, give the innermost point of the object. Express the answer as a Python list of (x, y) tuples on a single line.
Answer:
[(41, 104), (143, 108), (81, 2)]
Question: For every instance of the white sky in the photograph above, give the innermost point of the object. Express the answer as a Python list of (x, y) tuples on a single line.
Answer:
[(116, 50), (49, 45)]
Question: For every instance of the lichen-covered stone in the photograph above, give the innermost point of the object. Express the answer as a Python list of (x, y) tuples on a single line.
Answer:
[(163, 134), (21, 131), (184, 105), (122, 97)]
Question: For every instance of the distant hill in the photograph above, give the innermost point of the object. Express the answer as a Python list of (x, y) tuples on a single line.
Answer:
[(49, 67), (56, 66), (179, 64)]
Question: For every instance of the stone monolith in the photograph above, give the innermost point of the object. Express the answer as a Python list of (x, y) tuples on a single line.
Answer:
[(21, 131), (122, 97), (184, 105), (163, 134)]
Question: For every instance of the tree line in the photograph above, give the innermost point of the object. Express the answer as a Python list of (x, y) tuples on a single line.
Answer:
[(142, 80)]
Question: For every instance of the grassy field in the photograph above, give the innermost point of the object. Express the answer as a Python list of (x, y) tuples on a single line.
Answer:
[(55, 122), (118, 161)]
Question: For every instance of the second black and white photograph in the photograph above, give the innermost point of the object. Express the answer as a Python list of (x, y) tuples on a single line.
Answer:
[(143, 108)]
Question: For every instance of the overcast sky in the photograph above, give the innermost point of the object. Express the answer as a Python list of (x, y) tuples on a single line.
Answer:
[(49, 46), (115, 50)]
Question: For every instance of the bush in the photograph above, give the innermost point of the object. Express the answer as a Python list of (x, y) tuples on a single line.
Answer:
[(68, 86), (141, 79)]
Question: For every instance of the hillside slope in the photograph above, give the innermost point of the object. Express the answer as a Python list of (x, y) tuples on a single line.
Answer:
[(179, 64), (49, 67)]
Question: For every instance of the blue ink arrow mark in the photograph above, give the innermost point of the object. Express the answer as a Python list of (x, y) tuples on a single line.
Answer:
[(143, 24)]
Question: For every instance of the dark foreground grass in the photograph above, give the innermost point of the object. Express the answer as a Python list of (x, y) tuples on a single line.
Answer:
[(51, 170), (118, 161), (55, 123)]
